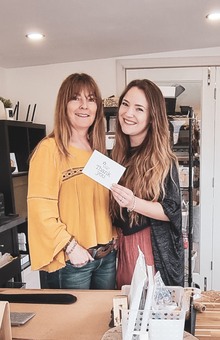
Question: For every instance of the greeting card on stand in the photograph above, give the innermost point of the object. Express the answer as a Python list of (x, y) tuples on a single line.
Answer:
[(103, 169)]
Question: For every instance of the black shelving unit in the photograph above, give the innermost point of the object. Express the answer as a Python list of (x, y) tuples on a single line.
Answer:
[(9, 244), (191, 159), (19, 138), (187, 150), (110, 112)]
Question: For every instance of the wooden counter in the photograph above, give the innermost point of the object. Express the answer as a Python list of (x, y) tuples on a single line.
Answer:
[(86, 319), (208, 324)]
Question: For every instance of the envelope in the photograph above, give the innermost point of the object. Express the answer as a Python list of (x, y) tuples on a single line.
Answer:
[(5, 323), (103, 169)]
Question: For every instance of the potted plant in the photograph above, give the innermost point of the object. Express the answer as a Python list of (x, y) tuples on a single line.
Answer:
[(7, 108), (6, 102)]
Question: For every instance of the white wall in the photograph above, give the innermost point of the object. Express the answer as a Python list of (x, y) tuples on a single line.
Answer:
[(40, 84), (2, 82)]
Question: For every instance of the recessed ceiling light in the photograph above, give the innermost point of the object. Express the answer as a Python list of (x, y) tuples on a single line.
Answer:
[(213, 16), (35, 36)]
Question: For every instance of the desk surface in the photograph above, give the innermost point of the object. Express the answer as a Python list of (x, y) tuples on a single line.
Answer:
[(86, 319), (208, 324)]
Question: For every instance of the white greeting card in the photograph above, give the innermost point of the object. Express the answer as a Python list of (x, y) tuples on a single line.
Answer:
[(103, 169)]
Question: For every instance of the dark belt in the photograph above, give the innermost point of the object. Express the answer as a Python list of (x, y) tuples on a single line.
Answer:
[(101, 251)]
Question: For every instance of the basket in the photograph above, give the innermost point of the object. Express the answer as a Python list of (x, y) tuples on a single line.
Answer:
[(166, 325), (161, 324)]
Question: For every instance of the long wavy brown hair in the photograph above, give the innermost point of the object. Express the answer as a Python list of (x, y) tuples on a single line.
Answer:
[(70, 87), (148, 164)]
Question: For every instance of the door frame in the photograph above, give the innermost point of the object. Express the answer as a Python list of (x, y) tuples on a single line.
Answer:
[(123, 64), (216, 184)]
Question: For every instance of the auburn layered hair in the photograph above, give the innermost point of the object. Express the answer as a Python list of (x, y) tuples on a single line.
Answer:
[(72, 86), (148, 164)]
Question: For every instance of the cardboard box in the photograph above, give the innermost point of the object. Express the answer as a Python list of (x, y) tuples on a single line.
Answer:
[(20, 185)]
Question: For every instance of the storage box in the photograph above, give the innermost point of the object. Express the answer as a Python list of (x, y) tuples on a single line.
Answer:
[(110, 140), (162, 324), (20, 185)]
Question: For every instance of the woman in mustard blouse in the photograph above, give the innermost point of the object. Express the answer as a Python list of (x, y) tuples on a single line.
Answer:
[(70, 231)]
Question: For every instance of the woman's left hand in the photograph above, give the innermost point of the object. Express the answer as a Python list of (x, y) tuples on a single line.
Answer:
[(123, 196)]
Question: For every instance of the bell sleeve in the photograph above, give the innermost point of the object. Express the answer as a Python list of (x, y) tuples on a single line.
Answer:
[(46, 233)]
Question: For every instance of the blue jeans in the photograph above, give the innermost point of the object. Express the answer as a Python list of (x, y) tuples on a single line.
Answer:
[(98, 274)]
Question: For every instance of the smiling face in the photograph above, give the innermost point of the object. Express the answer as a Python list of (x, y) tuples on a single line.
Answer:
[(134, 116), (81, 111)]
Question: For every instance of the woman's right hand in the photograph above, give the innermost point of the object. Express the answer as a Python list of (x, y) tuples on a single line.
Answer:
[(79, 256)]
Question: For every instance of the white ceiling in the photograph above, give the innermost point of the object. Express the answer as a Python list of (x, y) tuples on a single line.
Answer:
[(79, 30)]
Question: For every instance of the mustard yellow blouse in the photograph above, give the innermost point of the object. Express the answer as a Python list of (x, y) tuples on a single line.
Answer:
[(62, 201)]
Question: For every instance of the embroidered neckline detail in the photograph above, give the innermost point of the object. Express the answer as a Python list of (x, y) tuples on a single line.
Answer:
[(72, 172)]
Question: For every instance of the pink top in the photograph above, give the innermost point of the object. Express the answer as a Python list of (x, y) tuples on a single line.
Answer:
[(128, 254)]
